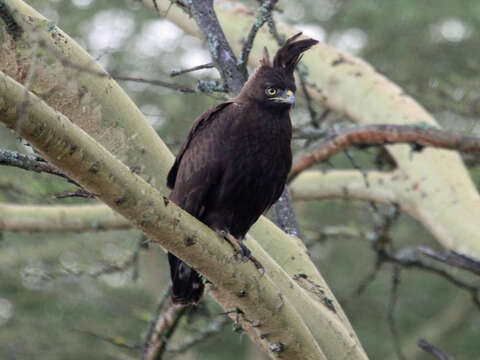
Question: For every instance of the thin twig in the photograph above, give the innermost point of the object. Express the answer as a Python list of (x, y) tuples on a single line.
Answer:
[(28, 162), (391, 312), (407, 258), (371, 276), (264, 12), (195, 68), (453, 258), (433, 350), (81, 193), (162, 83), (302, 72), (162, 300), (162, 325)]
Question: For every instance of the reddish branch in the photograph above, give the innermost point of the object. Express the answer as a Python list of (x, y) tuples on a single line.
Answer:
[(372, 135)]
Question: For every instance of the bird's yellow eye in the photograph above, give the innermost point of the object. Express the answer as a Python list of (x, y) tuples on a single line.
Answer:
[(271, 91)]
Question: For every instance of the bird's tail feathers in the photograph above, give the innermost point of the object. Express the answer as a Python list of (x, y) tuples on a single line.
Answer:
[(187, 284)]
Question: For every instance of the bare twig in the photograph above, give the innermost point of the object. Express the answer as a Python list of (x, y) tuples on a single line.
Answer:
[(302, 73), (407, 258), (264, 12), (162, 83), (454, 259), (81, 193), (429, 348), (161, 327), (391, 312), (374, 135), (153, 321), (195, 68), (363, 171), (273, 28), (371, 276), (28, 162)]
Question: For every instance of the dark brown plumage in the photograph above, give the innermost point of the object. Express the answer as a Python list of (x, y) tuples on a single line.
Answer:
[(234, 162)]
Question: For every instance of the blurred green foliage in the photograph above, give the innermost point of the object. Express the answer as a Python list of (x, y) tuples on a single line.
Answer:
[(430, 48)]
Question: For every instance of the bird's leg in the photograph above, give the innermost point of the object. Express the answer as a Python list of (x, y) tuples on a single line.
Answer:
[(240, 248)]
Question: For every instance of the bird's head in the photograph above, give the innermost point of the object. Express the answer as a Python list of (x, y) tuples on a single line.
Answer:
[(273, 83)]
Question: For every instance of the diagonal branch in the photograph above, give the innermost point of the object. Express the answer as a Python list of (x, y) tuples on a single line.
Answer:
[(161, 328), (431, 349), (376, 135), (454, 259), (203, 13)]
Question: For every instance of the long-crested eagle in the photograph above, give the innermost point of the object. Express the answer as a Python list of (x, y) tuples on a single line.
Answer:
[(235, 160)]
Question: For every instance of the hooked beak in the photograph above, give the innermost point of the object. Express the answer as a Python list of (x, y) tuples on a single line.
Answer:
[(286, 97)]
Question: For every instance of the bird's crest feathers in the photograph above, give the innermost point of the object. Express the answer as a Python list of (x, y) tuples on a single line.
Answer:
[(289, 54)]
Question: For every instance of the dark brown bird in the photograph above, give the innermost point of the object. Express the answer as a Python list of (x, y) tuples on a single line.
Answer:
[(235, 160)]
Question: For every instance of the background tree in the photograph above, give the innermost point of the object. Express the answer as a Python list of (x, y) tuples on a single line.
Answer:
[(50, 285)]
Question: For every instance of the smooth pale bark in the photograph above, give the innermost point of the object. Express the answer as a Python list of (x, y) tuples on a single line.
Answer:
[(444, 196), (101, 108), (62, 218), (346, 184)]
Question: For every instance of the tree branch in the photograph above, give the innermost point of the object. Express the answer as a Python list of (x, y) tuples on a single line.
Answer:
[(433, 350), (161, 328), (376, 135), (454, 259), (264, 12), (195, 68), (165, 84), (62, 218), (204, 15), (26, 162)]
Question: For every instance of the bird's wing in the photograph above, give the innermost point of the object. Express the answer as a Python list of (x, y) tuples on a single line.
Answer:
[(199, 124), (197, 167)]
